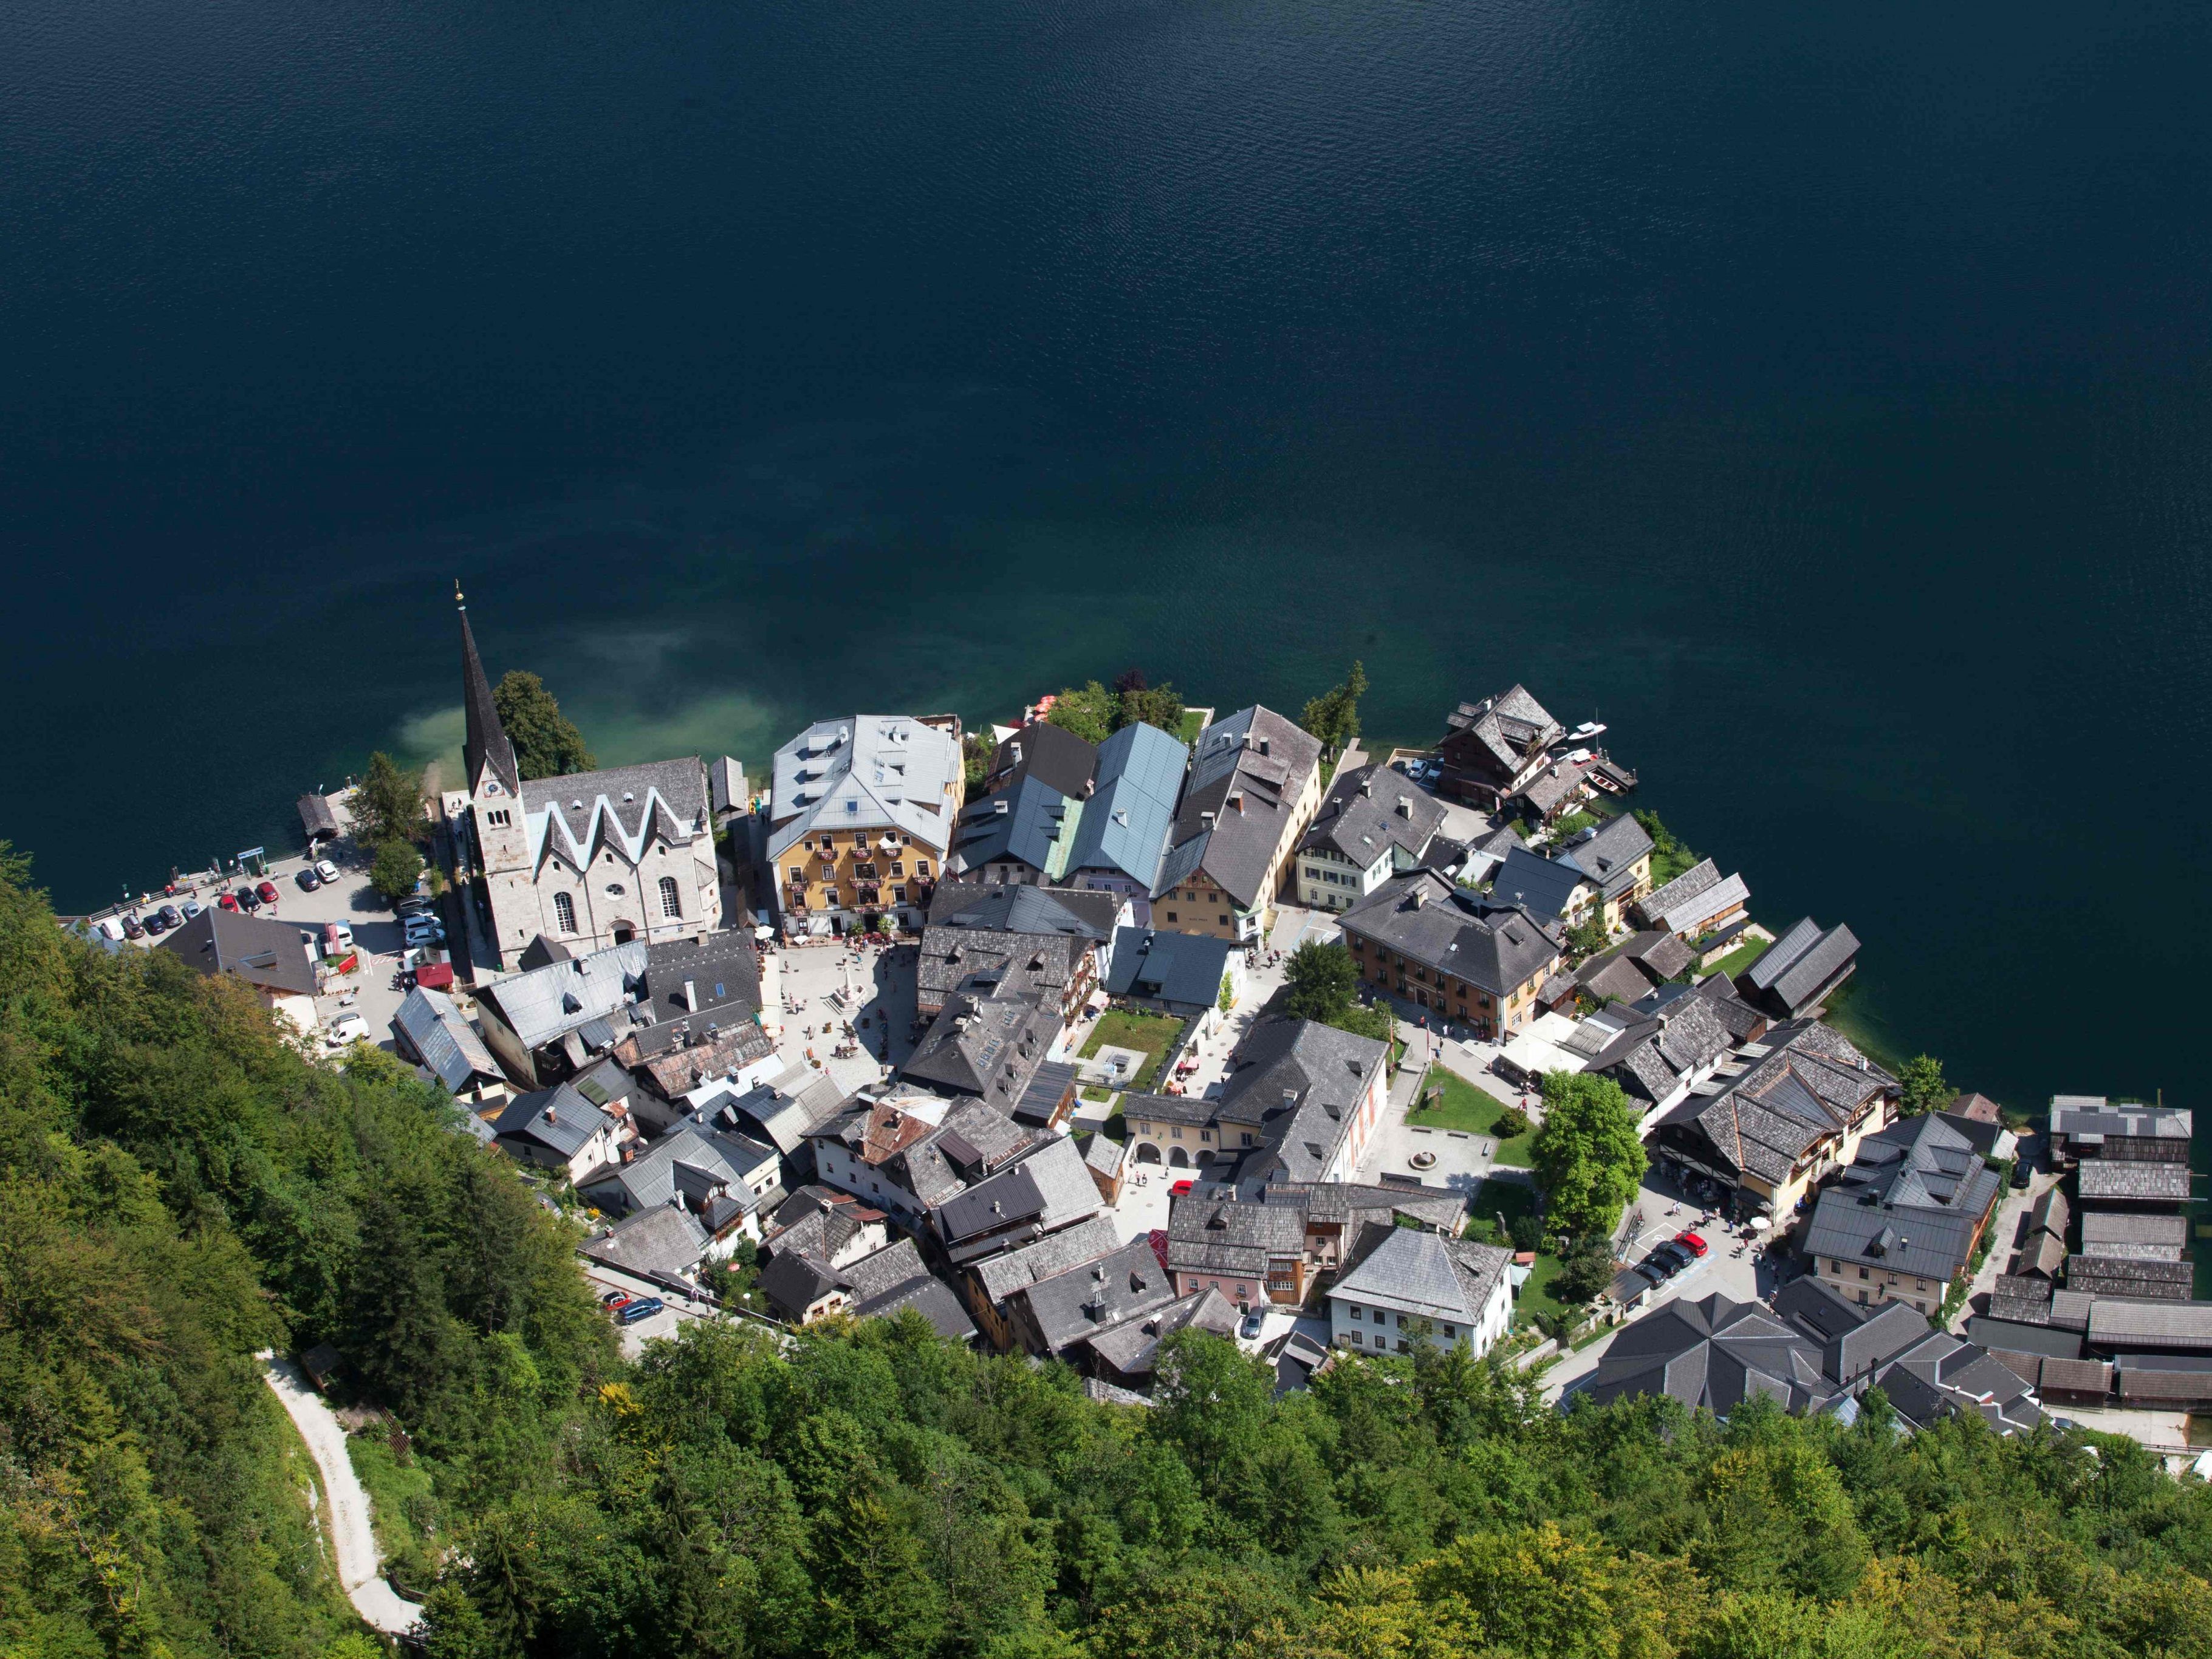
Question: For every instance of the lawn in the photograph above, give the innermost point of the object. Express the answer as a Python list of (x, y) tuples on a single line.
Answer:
[(1536, 1295), (1469, 1108), (1194, 722), (402, 1510), (1739, 959), (1128, 1028)]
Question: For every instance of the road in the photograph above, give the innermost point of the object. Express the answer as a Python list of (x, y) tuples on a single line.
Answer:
[(353, 1540)]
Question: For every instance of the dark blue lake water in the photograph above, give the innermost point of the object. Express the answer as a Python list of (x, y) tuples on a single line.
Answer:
[(1817, 393)]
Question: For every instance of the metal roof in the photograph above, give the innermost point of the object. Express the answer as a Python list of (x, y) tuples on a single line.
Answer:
[(1125, 823), (445, 1042)]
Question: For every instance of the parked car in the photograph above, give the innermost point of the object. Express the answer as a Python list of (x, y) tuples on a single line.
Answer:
[(307, 881), (267, 892), (2021, 1174), (419, 905), (1675, 1256), (1179, 1189), (171, 916), (1251, 1327), (612, 1300), (346, 1029), (338, 939), (154, 924), (248, 900), (326, 871), (429, 932), (644, 1308), (1692, 1243), (227, 900), (133, 928), (192, 908)]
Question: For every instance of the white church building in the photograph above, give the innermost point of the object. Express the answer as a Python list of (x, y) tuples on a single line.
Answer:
[(592, 859)]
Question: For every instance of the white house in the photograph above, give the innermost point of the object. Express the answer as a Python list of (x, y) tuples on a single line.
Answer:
[(1412, 1287)]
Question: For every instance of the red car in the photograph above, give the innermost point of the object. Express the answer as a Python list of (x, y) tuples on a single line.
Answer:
[(1181, 1188), (228, 900), (1692, 1243), (268, 892)]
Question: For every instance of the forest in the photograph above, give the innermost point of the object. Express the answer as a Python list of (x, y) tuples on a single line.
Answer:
[(181, 1188)]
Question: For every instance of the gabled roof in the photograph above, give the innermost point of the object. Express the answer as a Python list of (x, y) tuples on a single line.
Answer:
[(544, 1003), (986, 1045), (1429, 918), (1028, 823), (1608, 853), (1796, 968), (1024, 909), (1168, 967), (2126, 1179), (1803, 1082), (1001, 1276), (1246, 775), (1051, 754), (1083, 1300), (559, 1119), (1694, 898), (2103, 1275), (2088, 1120), (666, 1239), (1712, 1353), (1125, 823), (272, 955), (1301, 1083), (691, 1163), (1209, 1233), (865, 772), (1049, 1189), (1510, 726), (1369, 811), (1132, 1347), (446, 1043), (1546, 886), (1412, 1271), (2119, 1233)]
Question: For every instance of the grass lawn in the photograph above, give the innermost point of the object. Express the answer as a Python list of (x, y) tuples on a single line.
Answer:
[(401, 1508), (1738, 959), (1473, 1109), (1129, 1027), (1536, 1295), (1090, 1093), (1193, 723)]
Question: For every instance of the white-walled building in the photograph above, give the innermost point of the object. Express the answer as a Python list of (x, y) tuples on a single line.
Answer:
[(1417, 1285)]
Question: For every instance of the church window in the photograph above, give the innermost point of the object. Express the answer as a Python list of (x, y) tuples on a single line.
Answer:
[(564, 913), (672, 901), (500, 819)]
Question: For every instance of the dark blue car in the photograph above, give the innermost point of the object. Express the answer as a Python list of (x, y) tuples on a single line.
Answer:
[(644, 1308)]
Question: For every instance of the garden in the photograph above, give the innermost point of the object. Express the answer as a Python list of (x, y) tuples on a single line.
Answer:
[(1154, 1034), (1447, 1101)]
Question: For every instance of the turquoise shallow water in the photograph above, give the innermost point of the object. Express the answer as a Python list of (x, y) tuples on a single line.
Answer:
[(1820, 396)]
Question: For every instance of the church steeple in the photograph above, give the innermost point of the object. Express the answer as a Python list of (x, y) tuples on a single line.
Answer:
[(485, 743)]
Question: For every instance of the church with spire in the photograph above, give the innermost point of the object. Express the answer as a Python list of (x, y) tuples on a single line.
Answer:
[(591, 859)]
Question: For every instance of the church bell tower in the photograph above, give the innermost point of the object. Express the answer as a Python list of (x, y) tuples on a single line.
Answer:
[(496, 803)]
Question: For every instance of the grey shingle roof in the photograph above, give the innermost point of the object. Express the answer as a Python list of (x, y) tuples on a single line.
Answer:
[(1427, 918), (1911, 1203), (1411, 1270), (931, 1297), (1794, 971), (2116, 1323), (1510, 726), (2102, 1275), (1246, 774), (1369, 811), (273, 955), (690, 1162), (624, 807), (2119, 1233), (1001, 1276), (667, 1239), (1299, 1081), (1126, 822), (1082, 1301), (2132, 1179), (433, 1029), (1608, 854), (1221, 1235), (986, 1045), (559, 1119), (1131, 1347), (1803, 1082), (2088, 1123), (1712, 1353)]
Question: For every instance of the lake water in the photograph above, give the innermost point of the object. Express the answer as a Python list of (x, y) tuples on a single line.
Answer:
[(1819, 394)]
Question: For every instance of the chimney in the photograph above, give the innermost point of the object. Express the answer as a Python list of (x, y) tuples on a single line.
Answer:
[(1263, 745), (1236, 801), (1367, 784), (691, 995), (1418, 896), (1206, 820), (1405, 806), (1016, 747)]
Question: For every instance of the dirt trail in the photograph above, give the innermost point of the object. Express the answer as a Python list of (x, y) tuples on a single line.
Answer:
[(351, 1537)]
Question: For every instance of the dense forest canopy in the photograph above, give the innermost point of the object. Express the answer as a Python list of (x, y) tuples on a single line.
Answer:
[(181, 1188)]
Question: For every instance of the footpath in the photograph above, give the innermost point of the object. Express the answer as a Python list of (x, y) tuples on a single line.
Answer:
[(352, 1539)]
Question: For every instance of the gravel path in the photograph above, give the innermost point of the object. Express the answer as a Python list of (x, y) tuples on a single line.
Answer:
[(354, 1541)]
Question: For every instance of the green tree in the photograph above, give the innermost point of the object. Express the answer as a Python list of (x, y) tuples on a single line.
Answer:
[(1087, 710), (1669, 858), (1334, 716), (394, 870), (1319, 981), (1589, 1158), (387, 803), (1138, 703), (1587, 937), (547, 743), (976, 752), (1586, 1269), (1925, 1090)]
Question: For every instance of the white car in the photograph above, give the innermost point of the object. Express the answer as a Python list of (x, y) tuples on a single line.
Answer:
[(345, 1031), (326, 871)]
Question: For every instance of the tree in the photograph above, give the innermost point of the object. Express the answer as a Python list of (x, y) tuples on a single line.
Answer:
[(1587, 937), (395, 870), (1159, 705), (1087, 710), (1334, 716), (1925, 1090), (1586, 1269), (1669, 858), (547, 743), (976, 756), (1589, 1160), (387, 803), (1319, 981)]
